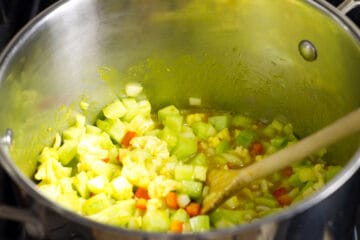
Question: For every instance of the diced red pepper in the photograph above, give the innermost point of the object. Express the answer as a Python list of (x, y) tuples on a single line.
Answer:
[(279, 192), (193, 209), (176, 226), (284, 200), (106, 159), (256, 149), (127, 138), (171, 200), (141, 203), (287, 172), (142, 193)]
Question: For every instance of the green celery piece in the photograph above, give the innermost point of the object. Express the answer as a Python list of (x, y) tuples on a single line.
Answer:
[(220, 122), (114, 127), (200, 223), (221, 216), (269, 131), (167, 111), (279, 142), (92, 129), (184, 172), (266, 201), (246, 137), (67, 151), (180, 215), (200, 173), (156, 220), (174, 122), (277, 125), (169, 136), (132, 109), (121, 188), (331, 172), (192, 188), (222, 147), (185, 147), (294, 193), (294, 180), (118, 214), (288, 129), (144, 108), (97, 184), (203, 130), (96, 204), (70, 201), (200, 159), (114, 110), (306, 174), (190, 172), (72, 133), (80, 184), (241, 121)]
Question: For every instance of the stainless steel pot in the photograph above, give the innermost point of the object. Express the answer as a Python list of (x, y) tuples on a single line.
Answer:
[(244, 55)]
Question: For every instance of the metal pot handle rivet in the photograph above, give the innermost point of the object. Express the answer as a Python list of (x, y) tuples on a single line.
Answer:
[(307, 50)]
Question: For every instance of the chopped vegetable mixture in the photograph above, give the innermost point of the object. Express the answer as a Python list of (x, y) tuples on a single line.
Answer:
[(139, 170)]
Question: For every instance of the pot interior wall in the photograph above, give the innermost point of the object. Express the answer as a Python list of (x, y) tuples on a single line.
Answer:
[(235, 55)]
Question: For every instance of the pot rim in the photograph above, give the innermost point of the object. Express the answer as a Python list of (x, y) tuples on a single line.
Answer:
[(26, 184)]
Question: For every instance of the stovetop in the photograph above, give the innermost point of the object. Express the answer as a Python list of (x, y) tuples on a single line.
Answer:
[(341, 222)]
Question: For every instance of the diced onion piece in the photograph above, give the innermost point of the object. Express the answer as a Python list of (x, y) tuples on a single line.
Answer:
[(193, 101), (133, 89), (183, 200)]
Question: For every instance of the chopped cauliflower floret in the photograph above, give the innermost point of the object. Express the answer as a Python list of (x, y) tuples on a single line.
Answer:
[(243, 154), (141, 124), (151, 144), (136, 174), (154, 203), (50, 171), (160, 187), (91, 144)]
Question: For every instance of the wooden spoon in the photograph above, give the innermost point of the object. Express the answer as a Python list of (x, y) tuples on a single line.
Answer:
[(225, 183)]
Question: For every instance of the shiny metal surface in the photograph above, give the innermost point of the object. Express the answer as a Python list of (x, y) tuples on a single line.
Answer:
[(307, 50), (236, 55)]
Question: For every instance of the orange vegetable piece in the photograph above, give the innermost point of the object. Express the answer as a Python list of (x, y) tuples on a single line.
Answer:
[(193, 209), (256, 149), (142, 193), (171, 200), (176, 226), (127, 138), (287, 172), (279, 192), (284, 200), (141, 203)]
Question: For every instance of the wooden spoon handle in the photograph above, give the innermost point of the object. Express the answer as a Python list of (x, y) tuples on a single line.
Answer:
[(334, 132)]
